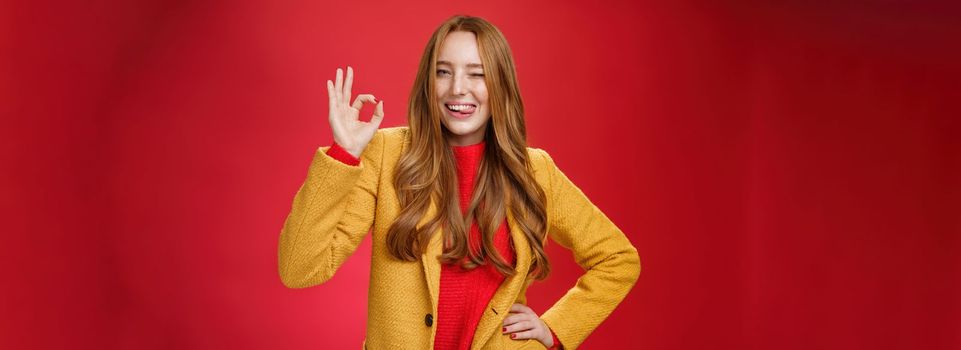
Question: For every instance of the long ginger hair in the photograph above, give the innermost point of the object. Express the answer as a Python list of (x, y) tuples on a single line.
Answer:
[(427, 170)]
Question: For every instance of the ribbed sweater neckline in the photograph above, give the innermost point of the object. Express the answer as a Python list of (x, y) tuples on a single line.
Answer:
[(468, 162), (469, 152)]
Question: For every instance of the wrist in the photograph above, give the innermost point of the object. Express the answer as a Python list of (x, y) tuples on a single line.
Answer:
[(548, 339), (350, 147)]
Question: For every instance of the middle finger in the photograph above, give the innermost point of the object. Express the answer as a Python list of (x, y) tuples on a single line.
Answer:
[(348, 83), (339, 85)]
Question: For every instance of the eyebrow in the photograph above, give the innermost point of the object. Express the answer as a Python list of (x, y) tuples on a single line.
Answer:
[(469, 65)]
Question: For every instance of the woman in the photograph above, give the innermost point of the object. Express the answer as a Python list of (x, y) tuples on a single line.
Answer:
[(459, 207)]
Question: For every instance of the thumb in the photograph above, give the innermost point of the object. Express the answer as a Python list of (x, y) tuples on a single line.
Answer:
[(378, 114)]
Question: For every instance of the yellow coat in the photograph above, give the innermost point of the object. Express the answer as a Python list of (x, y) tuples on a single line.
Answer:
[(338, 204)]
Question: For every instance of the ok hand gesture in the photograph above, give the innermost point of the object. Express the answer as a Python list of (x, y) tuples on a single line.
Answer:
[(350, 132)]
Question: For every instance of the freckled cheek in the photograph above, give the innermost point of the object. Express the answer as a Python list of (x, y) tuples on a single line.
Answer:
[(480, 93)]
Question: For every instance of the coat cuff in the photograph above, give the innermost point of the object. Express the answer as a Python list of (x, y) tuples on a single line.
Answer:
[(339, 153)]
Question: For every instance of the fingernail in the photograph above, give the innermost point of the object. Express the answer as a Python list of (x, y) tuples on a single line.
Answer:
[(504, 330), (513, 335)]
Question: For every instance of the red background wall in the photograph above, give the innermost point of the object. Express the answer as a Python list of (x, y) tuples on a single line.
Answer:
[(790, 172)]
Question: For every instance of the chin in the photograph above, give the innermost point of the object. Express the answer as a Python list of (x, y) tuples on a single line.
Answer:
[(458, 128), (464, 127)]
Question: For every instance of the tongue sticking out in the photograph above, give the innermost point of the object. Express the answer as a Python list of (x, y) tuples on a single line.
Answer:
[(462, 110)]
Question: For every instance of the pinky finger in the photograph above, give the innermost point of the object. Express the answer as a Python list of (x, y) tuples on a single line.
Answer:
[(528, 334)]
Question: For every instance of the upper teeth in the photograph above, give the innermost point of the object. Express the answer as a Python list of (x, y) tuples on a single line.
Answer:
[(459, 107)]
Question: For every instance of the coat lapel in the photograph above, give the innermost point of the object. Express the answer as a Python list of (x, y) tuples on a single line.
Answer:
[(430, 259), (506, 294)]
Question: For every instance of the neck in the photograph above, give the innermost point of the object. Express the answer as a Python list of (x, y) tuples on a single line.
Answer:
[(461, 141), (472, 145)]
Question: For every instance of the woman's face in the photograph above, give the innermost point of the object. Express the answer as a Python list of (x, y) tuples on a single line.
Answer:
[(461, 90)]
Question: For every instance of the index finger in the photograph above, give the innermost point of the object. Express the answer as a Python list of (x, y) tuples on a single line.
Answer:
[(514, 318), (520, 308)]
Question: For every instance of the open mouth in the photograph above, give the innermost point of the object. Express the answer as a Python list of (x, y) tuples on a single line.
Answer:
[(463, 110)]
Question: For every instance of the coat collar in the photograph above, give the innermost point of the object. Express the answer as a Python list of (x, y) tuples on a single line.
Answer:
[(505, 295)]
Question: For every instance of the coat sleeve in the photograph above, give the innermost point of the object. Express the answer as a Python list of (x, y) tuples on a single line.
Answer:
[(331, 213), (610, 261)]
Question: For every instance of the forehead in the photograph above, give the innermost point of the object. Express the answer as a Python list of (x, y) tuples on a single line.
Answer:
[(459, 48)]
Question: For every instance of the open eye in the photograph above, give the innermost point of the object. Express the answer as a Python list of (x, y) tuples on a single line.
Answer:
[(443, 72)]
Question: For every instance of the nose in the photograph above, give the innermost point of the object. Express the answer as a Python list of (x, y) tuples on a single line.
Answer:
[(459, 85)]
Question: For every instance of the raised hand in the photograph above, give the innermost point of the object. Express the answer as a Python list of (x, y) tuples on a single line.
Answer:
[(349, 131)]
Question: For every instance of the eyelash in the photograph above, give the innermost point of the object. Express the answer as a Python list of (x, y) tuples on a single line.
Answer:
[(444, 71)]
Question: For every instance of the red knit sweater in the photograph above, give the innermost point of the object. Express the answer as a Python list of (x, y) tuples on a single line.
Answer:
[(464, 294)]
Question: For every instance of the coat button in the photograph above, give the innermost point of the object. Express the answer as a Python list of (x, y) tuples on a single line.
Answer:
[(429, 320)]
